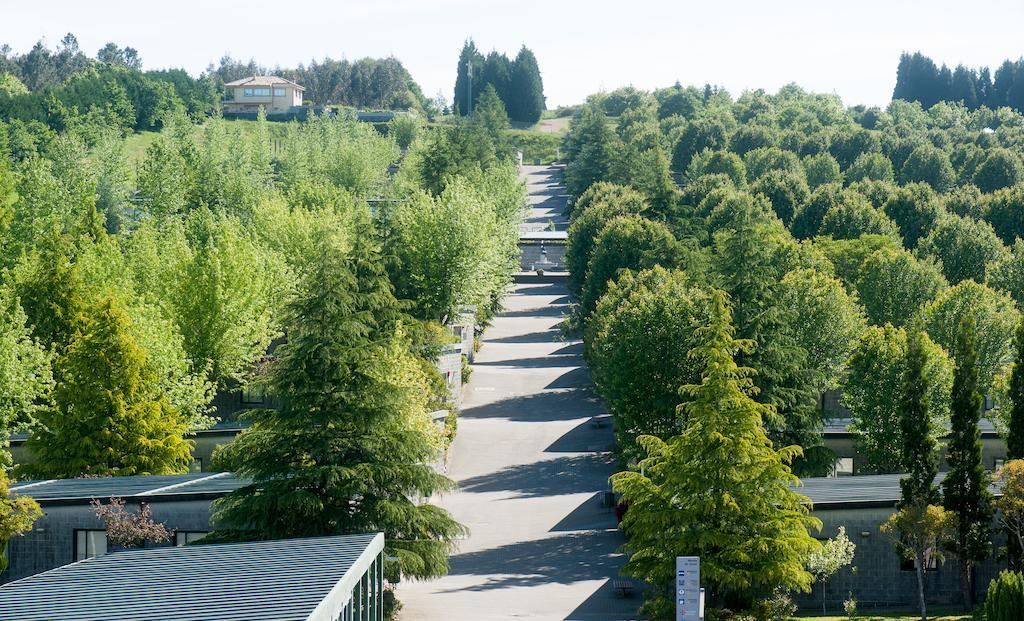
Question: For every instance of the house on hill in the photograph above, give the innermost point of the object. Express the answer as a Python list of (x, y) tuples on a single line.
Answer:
[(276, 95)]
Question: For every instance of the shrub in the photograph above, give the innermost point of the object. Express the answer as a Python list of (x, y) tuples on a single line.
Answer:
[(1005, 599)]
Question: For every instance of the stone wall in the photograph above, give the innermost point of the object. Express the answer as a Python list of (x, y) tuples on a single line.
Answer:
[(51, 543), (449, 363)]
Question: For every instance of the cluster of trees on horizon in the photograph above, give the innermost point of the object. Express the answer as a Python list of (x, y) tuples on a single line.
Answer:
[(45, 89), (129, 295), (919, 79), (517, 82), (734, 259)]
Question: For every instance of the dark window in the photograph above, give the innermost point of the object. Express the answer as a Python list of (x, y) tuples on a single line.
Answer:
[(183, 537), (90, 543), (910, 565), (252, 396)]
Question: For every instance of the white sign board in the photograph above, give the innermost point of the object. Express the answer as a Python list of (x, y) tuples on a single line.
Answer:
[(688, 591)]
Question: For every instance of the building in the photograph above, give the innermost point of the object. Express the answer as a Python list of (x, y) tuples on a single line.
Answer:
[(276, 95), (69, 531), (883, 579), (317, 579)]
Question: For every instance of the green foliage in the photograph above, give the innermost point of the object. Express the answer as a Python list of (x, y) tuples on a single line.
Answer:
[(964, 246), (110, 418), (626, 242), (766, 159), (995, 317), (404, 128), (855, 216), (847, 256), (822, 169), (703, 133), (916, 209), (348, 449), (1005, 598), (17, 515), (601, 203), (872, 166), (873, 388), (920, 457), (965, 491), (1004, 210), (893, 285), (718, 162), (930, 165), (1002, 168), (786, 191), (807, 220), (26, 380), (1015, 425), (752, 537), (637, 341)]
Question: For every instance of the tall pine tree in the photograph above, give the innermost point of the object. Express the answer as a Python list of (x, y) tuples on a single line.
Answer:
[(719, 490), (1015, 433), (526, 98), (348, 449), (468, 78), (965, 488), (919, 448)]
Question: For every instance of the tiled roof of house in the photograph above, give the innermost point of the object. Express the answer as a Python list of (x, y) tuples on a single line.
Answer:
[(263, 80), (149, 487)]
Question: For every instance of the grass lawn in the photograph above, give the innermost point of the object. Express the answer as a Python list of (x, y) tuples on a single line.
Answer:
[(135, 146)]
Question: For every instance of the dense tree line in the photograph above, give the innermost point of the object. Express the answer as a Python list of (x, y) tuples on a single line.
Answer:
[(376, 83), (225, 261), (919, 79), (517, 82), (849, 246)]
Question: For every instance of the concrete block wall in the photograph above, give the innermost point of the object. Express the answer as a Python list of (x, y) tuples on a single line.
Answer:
[(449, 363), (51, 543), (879, 582)]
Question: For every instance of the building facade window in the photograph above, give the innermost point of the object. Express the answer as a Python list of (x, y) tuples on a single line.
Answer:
[(253, 396), (843, 467), (280, 92), (196, 465), (184, 537), (256, 92), (909, 564), (90, 543)]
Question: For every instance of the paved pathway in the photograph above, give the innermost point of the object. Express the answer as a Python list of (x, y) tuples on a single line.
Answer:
[(531, 470)]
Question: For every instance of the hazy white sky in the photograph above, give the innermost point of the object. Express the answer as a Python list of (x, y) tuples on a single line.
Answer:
[(850, 48)]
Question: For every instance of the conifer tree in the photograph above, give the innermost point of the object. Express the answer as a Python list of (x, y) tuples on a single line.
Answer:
[(719, 490), (110, 416), (919, 448), (348, 449), (526, 97), (965, 488), (1015, 434)]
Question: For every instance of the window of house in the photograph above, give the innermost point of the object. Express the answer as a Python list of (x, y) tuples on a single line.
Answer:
[(196, 465), (843, 467), (252, 396), (279, 92), (183, 537), (257, 92), (911, 565), (90, 543), (999, 463)]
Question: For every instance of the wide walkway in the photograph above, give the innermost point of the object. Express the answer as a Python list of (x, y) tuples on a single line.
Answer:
[(531, 469)]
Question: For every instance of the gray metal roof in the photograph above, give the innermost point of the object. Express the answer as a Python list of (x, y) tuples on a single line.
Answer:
[(840, 426), (152, 486), (293, 579), (866, 490)]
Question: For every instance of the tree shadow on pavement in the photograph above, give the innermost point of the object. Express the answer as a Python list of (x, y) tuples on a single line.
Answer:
[(570, 474), (540, 407), (563, 559)]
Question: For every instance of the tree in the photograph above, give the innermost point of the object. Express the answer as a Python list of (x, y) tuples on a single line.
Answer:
[(872, 391), (526, 96), (588, 149), (110, 417), (807, 219), (1015, 427), (930, 165), (1011, 510), (916, 209), (751, 530), (349, 447), (965, 247), (893, 285), (702, 133), (594, 210), (471, 63), (918, 531), (17, 515), (854, 217), (996, 320), (26, 381), (965, 488), (718, 163), (873, 166), (127, 529), (1002, 168), (822, 169), (1004, 600), (636, 343), (626, 242), (1004, 210), (765, 159), (833, 555), (786, 191)]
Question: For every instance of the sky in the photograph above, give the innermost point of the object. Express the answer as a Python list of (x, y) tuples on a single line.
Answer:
[(582, 46)]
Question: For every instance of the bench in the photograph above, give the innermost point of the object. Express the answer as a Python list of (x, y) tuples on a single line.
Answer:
[(623, 588)]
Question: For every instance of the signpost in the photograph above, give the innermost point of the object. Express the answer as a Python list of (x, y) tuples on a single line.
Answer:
[(689, 595)]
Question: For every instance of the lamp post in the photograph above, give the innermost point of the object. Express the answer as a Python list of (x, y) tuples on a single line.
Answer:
[(469, 91)]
